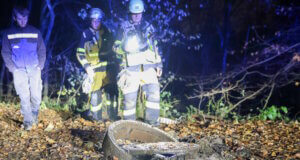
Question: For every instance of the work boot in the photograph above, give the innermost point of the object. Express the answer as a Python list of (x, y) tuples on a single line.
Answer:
[(96, 116), (26, 126), (113, 114), (35, 119), (153, 123)]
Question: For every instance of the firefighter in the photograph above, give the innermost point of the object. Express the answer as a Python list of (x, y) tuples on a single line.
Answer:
[(24, 54), (93, 54), (141, 64)]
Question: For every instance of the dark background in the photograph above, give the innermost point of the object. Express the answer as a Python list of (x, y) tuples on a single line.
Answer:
[(224, 25)]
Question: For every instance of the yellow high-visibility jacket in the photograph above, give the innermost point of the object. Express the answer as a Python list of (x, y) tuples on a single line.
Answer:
[(94, 49)]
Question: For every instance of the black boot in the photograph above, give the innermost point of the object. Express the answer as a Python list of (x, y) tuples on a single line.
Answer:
[(96, 116)]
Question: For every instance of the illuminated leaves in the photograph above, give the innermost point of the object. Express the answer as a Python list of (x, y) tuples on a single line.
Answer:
[(76, 138), (263, 139), (52, 138)]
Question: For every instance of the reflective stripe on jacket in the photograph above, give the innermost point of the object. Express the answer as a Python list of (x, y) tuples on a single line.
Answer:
[(149, 57), (94, 48), (23, 48)]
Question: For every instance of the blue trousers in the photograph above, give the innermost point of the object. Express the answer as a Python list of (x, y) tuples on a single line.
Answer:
[(28, 85)]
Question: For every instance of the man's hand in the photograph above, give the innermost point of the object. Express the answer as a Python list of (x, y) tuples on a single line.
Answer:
[(90, 71), (158, 72)]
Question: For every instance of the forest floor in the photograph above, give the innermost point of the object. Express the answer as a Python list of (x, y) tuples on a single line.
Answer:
[(61, 135)]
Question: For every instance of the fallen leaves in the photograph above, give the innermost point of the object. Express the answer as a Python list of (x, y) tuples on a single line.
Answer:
[(77, 138), (50, 141), (297, 155), (49, 127), (264, 153), (52, 138), (167, 129), (265, 139)]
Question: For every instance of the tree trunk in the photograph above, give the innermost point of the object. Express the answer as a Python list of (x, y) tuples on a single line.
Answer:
[(2, 78), (226, 34), (47, 23)]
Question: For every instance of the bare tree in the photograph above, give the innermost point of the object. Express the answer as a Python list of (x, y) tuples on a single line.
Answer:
[(274, 66)]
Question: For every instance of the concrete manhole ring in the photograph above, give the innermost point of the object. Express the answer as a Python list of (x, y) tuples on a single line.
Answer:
[(131, 140)]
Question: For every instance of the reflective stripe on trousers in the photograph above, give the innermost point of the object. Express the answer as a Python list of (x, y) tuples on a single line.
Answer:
[(130, 105), (148, 80), (96, 104), (28, 85), (152, 102)]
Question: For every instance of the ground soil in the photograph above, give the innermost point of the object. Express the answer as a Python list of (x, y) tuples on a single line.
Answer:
[(62, 135)]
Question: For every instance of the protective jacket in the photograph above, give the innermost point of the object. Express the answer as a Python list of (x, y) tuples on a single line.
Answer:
[(23, 48), (94, 48), (94, 51), (147, 56)]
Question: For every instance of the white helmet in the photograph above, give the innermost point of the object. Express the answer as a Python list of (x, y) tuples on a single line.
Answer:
[(136, 6), (96, 13)]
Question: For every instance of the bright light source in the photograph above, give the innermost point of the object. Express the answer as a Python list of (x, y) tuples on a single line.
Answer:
[(132, 44)]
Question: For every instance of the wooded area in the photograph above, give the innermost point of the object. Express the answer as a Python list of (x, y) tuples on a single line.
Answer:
[(231, 70)]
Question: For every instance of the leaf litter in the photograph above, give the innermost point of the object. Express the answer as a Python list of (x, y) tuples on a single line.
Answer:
[(61, 135)]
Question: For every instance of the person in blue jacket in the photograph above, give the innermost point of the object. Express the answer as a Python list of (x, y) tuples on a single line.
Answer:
[(24, 54)]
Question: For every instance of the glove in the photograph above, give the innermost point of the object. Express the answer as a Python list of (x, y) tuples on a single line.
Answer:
[(122, 79), (90, 71), (87, 85)]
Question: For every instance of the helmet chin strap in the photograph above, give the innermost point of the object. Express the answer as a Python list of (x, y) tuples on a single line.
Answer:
[(135, 23)]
